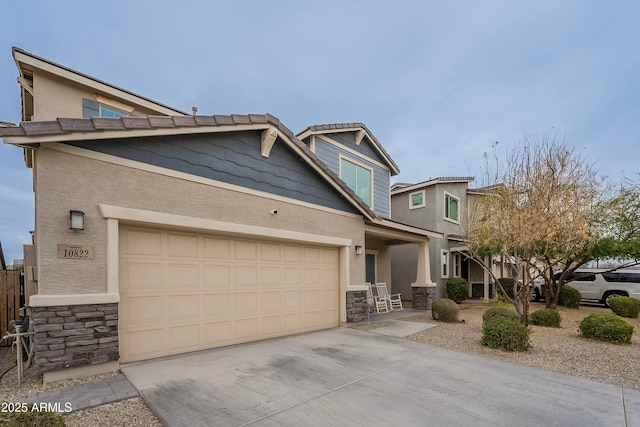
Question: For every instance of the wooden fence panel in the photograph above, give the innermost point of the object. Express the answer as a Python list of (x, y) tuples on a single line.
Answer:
[(9, 299)]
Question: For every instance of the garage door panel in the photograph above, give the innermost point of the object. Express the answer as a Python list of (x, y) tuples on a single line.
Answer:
[(183, 338), (217, 276), (293, 322), (183, 307), (183, 276), (270, 252), (246, 276), (217, 248), (144, 344), (246, 303), (271, 277), (217, 333), (185, 291), (216, 305), (141, 275), (271, 301), (141, 309), (183, 245), (271, 325), (246, 329), (141, 242), (246, 250)]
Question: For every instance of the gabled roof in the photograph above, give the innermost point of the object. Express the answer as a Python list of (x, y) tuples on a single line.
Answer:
[(32, 134), (352, 127), (401, 187), (27, 62), (489, 189)]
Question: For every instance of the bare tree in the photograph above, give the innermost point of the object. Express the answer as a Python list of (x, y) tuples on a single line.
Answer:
[(546, 214)]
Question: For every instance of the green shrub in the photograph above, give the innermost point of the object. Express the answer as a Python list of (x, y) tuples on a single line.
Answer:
[(545, 317), (507, 334), (606, 327), (625, 306), (445, 310), (570, 297), (507, 284), (457, 289), (499, 311), (32, 419)]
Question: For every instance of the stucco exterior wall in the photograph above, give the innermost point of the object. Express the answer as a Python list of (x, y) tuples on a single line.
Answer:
[(66, 181), (55, 97)]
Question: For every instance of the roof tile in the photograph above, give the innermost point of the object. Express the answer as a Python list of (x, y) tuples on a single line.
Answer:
[(161, 122), (41, 128), (136, 123), (241, 119), (205, 121), (103, 123), (184, 121), (223, 120), (76, 125)]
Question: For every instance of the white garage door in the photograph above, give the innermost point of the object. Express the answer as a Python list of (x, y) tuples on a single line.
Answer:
[(183, 292)]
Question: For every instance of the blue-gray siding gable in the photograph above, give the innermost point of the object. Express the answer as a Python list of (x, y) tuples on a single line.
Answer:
[(330, 154), (348, 139), (233, 158)]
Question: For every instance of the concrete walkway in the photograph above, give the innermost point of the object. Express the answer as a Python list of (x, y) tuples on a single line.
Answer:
[(87, 395)]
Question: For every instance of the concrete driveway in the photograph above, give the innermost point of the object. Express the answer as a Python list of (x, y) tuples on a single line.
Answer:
[(344, 377)]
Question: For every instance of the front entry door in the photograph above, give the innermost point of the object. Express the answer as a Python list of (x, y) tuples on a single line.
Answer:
[(370, 268)]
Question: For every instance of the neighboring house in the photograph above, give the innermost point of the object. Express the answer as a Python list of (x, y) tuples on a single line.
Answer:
[(439, 204), (158, 233)]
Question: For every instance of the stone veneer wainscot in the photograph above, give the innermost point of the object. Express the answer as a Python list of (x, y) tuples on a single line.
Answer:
[(356, 306), (75, 335)]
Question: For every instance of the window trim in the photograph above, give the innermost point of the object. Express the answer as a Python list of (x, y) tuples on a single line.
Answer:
[(446, 204), (457, 264), (418, 206), (363, 166), (444, 263)]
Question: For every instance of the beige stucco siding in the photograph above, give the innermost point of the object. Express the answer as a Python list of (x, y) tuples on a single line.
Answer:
[(66, 181), (55, 97)]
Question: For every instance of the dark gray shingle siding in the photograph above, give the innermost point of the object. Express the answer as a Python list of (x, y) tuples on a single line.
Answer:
[(233, 158)]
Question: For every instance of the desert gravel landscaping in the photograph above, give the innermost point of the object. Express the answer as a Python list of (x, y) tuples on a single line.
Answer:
[(559, 350)]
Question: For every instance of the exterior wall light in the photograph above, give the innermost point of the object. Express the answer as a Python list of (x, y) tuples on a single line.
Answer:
[(77, 220), (358, 250)]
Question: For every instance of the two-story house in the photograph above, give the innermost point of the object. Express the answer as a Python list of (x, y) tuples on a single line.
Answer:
[(158, 232), (440, 204)]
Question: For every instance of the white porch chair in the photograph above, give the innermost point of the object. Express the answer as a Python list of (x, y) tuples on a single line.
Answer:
[(374, 302), (394, 302)]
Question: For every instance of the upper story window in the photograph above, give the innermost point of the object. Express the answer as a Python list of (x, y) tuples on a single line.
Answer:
[(451, 207), (358, 178), (106, 111), (104, 107), (416, 200)]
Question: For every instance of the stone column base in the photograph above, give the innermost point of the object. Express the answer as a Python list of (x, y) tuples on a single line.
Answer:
[(423, 295), (356, 306)]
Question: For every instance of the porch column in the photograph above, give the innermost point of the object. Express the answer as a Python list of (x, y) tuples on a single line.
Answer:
[(423, 289)]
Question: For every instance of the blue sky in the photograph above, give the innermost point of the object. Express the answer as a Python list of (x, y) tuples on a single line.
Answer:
[(437, 82)]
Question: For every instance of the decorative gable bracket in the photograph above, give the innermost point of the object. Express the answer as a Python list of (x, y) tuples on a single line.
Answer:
[(268, 139), (360, 136)]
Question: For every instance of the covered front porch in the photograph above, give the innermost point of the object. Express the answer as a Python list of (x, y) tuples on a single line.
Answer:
[(380, 236)]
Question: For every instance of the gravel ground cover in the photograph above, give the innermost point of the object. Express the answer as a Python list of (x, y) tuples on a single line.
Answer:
[(559, 350)]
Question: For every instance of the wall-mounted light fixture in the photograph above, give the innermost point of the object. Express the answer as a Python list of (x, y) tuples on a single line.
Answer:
[(358, 250), (77, 220)]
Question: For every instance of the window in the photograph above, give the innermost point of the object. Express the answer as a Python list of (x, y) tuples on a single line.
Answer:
[(444, 263), (457, 264), (111, 112), (357, 178), (451, 207), (416, 200)]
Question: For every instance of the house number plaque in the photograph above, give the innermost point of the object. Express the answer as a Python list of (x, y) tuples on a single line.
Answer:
[(75, 251)]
